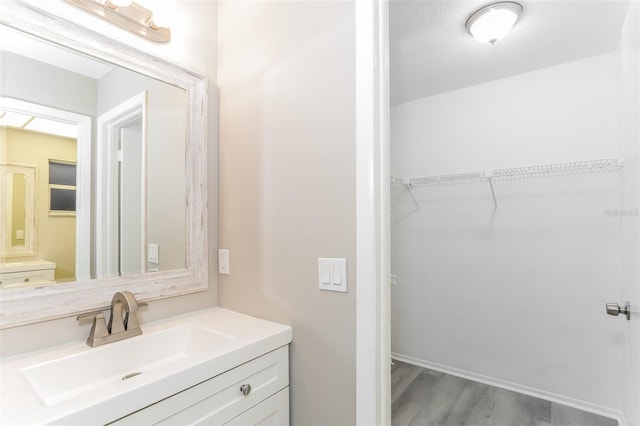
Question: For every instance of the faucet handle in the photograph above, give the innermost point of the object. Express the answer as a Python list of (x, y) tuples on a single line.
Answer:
[(98, 329)]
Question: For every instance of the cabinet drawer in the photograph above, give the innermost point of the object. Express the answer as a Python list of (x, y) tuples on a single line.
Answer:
[(219, 399), (27, 277), (272, 412)]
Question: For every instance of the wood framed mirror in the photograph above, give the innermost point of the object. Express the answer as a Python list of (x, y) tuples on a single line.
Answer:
[(33, 303)]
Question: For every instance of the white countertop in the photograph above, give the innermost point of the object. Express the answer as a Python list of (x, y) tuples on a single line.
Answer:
[(29, 265), (252, 337)]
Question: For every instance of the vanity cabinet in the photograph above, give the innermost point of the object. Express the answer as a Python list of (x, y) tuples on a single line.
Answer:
[(24, 273), (256, 392), (272, 411)]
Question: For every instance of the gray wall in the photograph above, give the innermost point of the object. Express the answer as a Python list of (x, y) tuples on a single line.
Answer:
[(287, 190)]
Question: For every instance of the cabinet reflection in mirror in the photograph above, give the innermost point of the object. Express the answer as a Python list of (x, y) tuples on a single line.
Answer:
[(104, 150)]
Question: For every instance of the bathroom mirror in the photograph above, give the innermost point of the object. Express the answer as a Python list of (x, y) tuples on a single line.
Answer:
[(117, 249), (133, 160)]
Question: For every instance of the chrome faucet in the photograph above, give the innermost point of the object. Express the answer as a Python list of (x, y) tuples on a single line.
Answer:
[(120, 327)]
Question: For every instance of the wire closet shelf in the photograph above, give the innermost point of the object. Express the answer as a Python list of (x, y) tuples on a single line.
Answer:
[(607, 164)]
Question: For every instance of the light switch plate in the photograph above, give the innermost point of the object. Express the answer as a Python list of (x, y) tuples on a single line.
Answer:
[(223, 261), (332, 274), (154, 256)]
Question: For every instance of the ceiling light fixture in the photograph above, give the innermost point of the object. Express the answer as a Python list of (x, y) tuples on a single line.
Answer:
[(38, 124), (128, 15), (492, 22)]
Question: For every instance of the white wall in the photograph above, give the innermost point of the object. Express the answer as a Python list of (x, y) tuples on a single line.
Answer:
[(193, 44), (517, 293), (562, 113), (287, 189)]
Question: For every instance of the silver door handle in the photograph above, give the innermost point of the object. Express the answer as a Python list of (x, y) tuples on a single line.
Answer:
[(615, 310)]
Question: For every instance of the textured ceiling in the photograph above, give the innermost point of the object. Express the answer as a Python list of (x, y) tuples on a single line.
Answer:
[(431, 52)]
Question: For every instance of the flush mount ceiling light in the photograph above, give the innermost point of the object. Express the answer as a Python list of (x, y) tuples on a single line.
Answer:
[(37, 124), (492, 22), (128, 15)]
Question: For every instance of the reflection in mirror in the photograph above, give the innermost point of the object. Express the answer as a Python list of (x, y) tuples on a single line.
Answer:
[(52, 236), (96, 225), (90, 76), (17, 213), (120, 213), (53, 141)]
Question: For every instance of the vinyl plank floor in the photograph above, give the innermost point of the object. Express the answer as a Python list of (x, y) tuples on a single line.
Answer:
[(569, 416), (413, 399), (429, 398), (443, 397), (402, 375), (473, 406), (511, 408)]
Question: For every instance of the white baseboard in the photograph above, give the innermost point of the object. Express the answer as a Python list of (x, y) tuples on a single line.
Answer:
[(527, 390)]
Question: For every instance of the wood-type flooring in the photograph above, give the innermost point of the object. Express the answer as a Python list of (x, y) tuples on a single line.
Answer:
[(424, 397)]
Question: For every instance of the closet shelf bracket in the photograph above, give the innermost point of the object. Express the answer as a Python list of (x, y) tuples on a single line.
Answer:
[(493, 193), (410, 188)]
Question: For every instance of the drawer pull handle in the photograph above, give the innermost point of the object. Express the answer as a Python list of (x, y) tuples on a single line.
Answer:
[(245, 389)]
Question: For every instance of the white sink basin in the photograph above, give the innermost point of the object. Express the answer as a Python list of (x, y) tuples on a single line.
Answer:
[(65, 378), (77, 385)]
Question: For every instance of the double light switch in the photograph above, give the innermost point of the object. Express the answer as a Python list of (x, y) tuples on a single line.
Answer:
[(332, 273)]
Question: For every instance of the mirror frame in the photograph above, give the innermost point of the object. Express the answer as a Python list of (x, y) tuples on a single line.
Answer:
[(32, 304), (30, 228)]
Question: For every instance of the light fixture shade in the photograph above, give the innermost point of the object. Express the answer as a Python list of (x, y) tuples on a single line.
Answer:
[(492, 22), (121, 3), (134, 18)]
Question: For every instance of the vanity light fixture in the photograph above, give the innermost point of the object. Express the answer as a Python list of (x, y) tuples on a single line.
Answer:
[(492, 22), (121, 3), (128, 15)]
